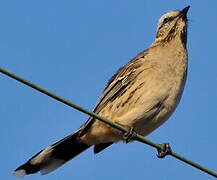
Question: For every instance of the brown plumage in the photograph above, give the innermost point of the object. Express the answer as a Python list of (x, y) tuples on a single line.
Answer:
[(142, 95)]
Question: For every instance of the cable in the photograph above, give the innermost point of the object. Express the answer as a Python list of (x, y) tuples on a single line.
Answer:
[(117, 126)]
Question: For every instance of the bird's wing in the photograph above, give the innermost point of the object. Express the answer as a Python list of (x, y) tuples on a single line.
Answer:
[(117, 85)]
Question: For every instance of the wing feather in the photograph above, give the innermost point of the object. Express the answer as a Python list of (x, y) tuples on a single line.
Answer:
[(115, 87)]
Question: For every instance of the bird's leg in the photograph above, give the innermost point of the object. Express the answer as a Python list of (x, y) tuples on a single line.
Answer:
[(166, 150), (129, 135)]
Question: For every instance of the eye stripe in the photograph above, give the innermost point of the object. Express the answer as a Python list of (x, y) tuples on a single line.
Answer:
[(167, 19)]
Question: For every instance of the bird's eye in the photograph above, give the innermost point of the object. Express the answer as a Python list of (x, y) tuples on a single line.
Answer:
[(166, 20)]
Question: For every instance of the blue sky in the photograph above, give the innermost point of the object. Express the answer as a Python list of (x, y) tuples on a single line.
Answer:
[(72, 48)]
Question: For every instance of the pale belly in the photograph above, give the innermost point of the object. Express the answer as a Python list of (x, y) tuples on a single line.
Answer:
[(159, 115)]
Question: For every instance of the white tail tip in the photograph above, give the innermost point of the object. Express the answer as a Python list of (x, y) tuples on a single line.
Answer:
[(19, 173)]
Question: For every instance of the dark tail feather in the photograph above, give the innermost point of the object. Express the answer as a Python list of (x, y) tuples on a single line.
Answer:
[(53, 156), (99, 147)]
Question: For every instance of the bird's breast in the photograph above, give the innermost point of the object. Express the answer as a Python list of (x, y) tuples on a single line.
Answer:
[(165, 90)]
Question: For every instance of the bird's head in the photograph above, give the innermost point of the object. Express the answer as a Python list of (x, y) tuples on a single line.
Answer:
[(172, 24)]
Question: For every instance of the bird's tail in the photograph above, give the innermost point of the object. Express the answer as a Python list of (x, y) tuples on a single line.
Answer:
[(53, 156)]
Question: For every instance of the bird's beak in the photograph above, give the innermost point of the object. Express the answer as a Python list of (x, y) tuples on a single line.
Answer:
[(184, 12)]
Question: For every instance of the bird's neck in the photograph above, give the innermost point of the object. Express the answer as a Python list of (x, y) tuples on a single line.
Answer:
[(179, 38), (173, 52)]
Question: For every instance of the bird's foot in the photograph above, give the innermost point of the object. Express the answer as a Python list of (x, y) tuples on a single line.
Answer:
[(129, 135), (166, 150)]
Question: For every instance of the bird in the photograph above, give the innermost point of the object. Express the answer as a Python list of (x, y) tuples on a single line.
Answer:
[(141, 96)]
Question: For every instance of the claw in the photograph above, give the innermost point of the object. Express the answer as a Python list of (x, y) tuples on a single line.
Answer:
[(130, 135), (165, 151)]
